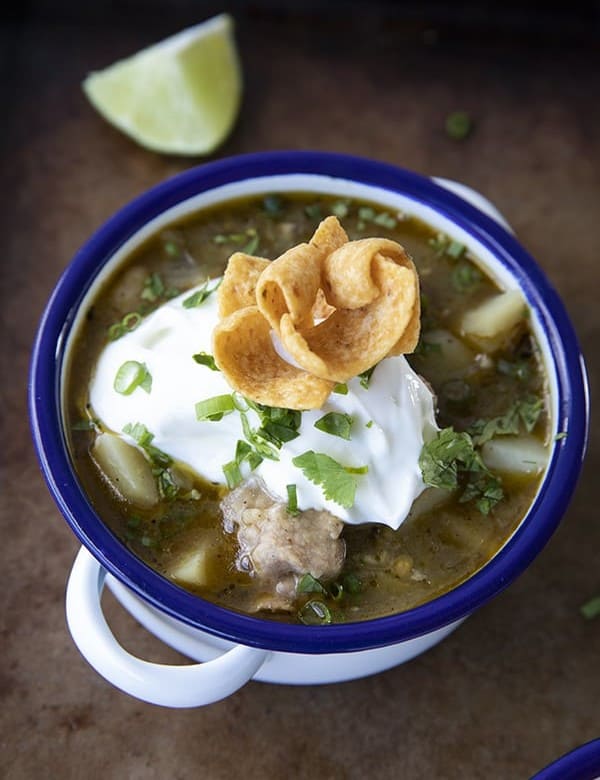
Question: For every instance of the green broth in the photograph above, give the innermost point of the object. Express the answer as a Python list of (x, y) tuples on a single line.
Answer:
[(385, 571)]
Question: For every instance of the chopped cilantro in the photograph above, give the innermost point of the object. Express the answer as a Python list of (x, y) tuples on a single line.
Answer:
[(365, 377), (198, 298), (524, 412), (338, 482), (458, 125), (451, 460), (277, 424), (591, 609), (204, 359), (341, 388), (336, 424), (309, 584), (167, 485)]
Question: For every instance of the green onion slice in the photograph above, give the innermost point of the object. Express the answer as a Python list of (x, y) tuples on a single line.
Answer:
[(132, 375), (232, 473), (214, 408), (292, 504), (315, 613)]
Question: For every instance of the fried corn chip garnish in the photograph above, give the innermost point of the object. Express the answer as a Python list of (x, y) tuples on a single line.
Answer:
[(338, 307), (350, 341), (238, 288), (291, 284), (244, 352)]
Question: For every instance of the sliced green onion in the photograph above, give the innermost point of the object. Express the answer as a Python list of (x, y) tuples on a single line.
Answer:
[(314, 613), (253, 242), (336, 591), (131, 321), (336, 424), (366, 213), (385, 220), (356, 469), (455, 249), (232, 473), (340, 208), (154, 288), (214, 408), (132, 375), (309, 584), (204, 359), (292, 502)]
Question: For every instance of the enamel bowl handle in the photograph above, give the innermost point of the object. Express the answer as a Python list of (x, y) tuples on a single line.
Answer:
[(170, 686)]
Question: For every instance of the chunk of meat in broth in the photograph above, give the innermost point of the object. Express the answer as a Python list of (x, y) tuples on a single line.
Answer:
[(277, 547)]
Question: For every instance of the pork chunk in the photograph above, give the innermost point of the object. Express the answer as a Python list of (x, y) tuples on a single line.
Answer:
[(278, 547)]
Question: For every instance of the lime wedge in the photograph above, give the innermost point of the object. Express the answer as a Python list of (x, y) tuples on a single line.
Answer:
[(179, 96)]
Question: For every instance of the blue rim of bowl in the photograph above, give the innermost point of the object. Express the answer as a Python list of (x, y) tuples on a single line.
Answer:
[(582, 763), (541, 521)]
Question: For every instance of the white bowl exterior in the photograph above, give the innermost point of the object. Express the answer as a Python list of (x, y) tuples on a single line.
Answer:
[(279, 667)]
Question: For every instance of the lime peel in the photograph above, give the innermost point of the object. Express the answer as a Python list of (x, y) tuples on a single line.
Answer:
[(179, 96)]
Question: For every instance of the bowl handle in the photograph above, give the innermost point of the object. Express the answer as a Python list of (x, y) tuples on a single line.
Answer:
[(170, 686)]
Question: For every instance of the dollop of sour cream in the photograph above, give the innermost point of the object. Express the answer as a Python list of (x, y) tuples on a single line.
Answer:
[(392, 417)]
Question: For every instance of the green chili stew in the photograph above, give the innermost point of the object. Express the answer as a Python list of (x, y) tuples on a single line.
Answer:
[(488, 389)]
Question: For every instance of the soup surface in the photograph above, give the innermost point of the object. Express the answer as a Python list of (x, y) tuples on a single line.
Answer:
[(479, 357)]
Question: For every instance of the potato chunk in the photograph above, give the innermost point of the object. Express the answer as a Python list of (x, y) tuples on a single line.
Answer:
[(493, 319), (125, 469)]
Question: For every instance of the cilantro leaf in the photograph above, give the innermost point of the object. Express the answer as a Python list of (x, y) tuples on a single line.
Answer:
[(338, 481), (204, 359), (365, 376), (336, 424), (451, 460), (524, 412)]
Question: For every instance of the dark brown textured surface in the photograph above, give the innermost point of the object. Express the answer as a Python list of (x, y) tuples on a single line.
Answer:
[(519, 683)]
